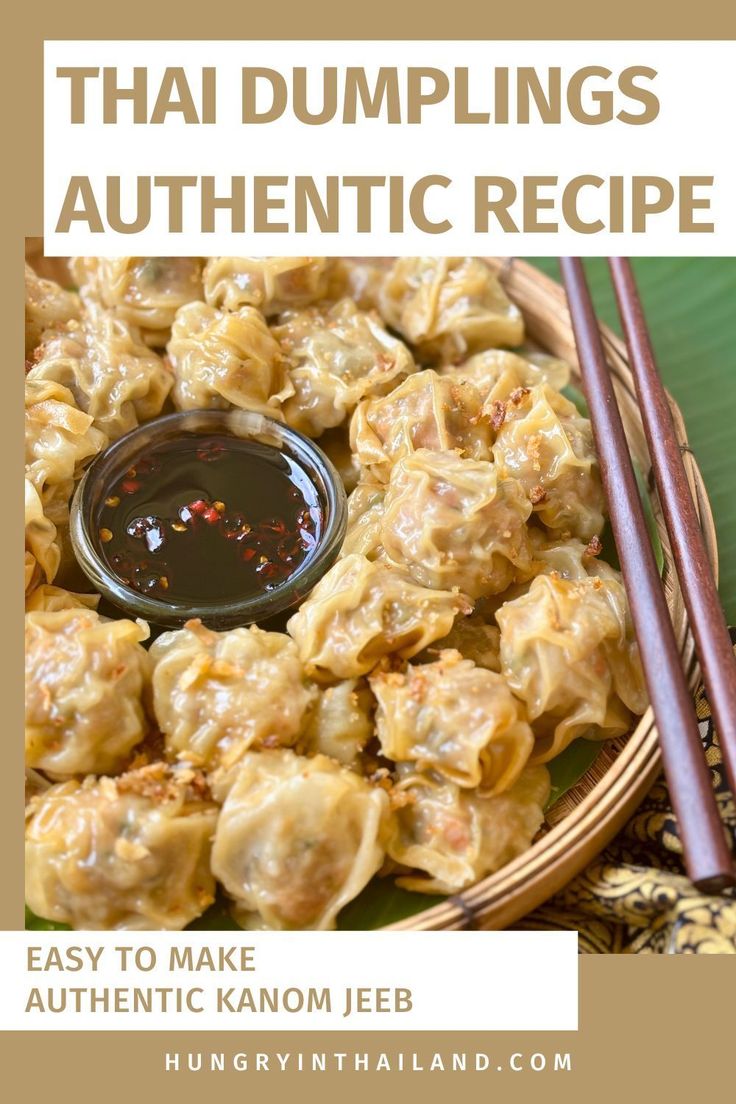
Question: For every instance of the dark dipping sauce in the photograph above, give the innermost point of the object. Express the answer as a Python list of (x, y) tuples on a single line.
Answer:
[(203, 518)]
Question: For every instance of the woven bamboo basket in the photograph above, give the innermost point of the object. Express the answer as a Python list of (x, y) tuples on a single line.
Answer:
[(584, 820)]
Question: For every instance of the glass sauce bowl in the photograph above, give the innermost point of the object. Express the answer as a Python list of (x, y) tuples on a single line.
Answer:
[(110, 466)]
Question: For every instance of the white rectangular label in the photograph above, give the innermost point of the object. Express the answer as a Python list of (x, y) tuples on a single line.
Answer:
[(687, 140), (344, 981)]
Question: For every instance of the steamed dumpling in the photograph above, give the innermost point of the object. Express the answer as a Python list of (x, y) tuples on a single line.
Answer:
[(222, 359), (49, 599), (454, 718), (361, 611), (217, 694), (85, 680), (42, 551), (337, 356), (297, 839), (340, 723), (570, 559), (144, 291), (59, 440), (449, 307), (272, 284), (48, 305), (497, 372), (365, 519), (547, 446), (568, 652), (453, 837), (427, 411), (113, 376), (451, 522), (359, 278), (129, 853)]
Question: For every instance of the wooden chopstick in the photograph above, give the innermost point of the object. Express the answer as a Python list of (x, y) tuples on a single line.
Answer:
[(712, 641), (707, 858)]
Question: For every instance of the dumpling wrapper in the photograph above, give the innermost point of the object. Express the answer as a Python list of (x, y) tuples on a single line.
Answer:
[(426, 411), (42, 551), (49, 599), (297, 839), (59, 440), (272, 284), (453, 718), (340, 723), (127, 854), (569, 559), (456, 836), (113, 376), (85, 681), (556, 371), (497, 372), (568, 652), (222, 359), (449, 307), (48, 305), (451, 522), (335, 444), (365, 516), (544, 443), (217, 694), (361, 279), (144, 291), (361, 611), (474, 638), (337, 356)]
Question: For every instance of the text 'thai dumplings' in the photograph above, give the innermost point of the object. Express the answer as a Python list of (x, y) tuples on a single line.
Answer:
[(456, 836), (449, 307), (272, 284), (451, 522), (217, 694), (297, 839), (113, 376), (426, 411), (130, 853), (544, 443), (361, 611), (568, 652), (337, 356), (454, 718), (223, 359), (85, 679)]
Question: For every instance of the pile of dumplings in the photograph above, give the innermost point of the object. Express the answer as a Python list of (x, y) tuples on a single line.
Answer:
[(400, 727)]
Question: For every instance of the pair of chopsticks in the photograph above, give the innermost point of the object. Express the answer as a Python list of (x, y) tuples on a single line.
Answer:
[(708, 860)]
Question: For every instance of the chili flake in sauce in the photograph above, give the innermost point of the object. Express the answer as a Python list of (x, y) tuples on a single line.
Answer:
[(206, 518)]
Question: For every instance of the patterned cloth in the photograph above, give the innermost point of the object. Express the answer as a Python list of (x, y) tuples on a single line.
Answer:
[(635, 899)]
